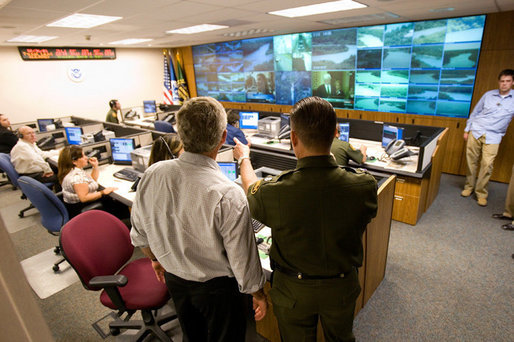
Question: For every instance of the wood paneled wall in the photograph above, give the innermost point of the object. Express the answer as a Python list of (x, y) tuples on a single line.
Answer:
[(497, 54)]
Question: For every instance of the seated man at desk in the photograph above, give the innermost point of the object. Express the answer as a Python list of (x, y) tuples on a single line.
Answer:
[(233, 130), (80, 189), (112, 114), (343, 151), (29, 160)]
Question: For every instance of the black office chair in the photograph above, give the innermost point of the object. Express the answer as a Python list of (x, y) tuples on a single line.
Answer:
[(163, 126), (97, 245)]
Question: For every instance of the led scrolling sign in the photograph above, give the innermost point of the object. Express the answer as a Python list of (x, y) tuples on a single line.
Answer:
[(28, 53)]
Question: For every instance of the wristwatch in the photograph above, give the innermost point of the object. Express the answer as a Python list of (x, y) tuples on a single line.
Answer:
[(240, 160)]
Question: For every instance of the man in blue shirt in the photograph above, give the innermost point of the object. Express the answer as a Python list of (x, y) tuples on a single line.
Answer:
[(487, 123), (233, 130)]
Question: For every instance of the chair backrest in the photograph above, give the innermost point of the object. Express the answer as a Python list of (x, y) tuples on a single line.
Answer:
[(95, 243), (53, 212), (163, 126), (8, 167)]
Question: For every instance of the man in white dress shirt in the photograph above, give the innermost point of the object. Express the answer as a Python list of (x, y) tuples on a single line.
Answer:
[(30, 160), (195, 226)]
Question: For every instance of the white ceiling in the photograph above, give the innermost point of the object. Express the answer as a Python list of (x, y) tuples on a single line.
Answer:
[(151, 18)]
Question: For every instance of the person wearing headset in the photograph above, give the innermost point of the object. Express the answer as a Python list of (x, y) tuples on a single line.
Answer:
[(29, 160), (112, 114), (165, 147), (7, 137)]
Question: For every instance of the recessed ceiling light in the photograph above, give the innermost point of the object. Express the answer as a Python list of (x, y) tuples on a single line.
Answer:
[(326, 7), (31, 39), (197, 29), (79, 20), (131, 41)]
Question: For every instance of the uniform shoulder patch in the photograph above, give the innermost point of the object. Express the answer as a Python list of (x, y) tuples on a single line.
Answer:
[(353, 148), (256, 186)]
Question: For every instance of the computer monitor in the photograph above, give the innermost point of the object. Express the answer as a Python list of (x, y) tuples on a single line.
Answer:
[(390, 133), (229, 169), (249, 120), (120, 149), (73, 135), (150, 107), (42, 123), (344, 131), (284, 120)]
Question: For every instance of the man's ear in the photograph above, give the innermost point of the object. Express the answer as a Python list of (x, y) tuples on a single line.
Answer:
[(294, 138)]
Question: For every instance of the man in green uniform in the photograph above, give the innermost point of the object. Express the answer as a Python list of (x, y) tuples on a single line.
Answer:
[(343, 151), (317, 213), (112, 114)]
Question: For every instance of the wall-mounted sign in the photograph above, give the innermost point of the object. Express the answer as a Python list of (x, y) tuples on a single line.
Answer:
[(29, 53)]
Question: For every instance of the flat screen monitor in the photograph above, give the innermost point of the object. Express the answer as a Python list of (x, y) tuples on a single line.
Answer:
[(390, 133), (42, 123), (120, 149), (284, 120), (149, 107), (248, 120), (73, 135), (344, 131), (229, 169)]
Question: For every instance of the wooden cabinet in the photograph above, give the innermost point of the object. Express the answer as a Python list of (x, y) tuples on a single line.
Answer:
[(409, 199)]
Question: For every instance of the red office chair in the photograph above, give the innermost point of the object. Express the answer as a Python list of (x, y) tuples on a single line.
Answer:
[(97, 245)]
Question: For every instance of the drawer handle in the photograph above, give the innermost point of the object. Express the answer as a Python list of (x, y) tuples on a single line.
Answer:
[(398, 198), (400, 180)]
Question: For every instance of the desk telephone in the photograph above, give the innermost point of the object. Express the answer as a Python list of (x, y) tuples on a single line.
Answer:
[(46, 141), (131, 114), (396, 150)]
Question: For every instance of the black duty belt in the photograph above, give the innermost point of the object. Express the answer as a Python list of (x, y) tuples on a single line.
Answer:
[(301, 275)]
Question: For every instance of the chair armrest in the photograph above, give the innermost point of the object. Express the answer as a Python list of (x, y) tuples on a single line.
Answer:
[(95, 205), (108, 281)]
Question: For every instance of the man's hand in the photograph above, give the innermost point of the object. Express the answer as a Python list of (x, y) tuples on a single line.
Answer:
[(465, 136), (48, 174), (260, 307), (240, 149), (159, 271)]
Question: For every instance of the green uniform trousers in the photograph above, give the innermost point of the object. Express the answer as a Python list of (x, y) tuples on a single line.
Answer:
[(298, 304), (480, 159)]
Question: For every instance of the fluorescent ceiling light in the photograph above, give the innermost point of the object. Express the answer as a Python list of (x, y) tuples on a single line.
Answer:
[(131, 41), (326, 7), (79, 20), (197, 29), (31, 39)]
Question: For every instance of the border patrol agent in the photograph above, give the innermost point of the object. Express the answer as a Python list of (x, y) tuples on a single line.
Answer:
[(343, 151), (317, 213)]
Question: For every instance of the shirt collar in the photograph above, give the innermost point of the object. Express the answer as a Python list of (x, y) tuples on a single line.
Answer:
[(497, 93), (316, 161), (198, 160)]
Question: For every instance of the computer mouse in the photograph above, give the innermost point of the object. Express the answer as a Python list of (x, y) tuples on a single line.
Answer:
[(371, 158)]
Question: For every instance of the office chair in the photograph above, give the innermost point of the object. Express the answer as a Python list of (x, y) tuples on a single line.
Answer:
[(53, 212), (8, 168), (163, 126), (97, 245)]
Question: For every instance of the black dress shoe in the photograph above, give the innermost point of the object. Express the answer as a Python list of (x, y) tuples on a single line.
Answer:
[(508, 226), (502, 217)]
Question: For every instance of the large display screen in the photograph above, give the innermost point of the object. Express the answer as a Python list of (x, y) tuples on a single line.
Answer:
[(424, 67)]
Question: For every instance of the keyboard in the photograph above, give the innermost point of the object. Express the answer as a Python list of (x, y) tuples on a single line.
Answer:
[(256, 225), (128, 174), (260, 135)]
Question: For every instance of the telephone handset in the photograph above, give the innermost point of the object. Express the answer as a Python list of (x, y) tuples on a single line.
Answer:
[(394, 145), (93, 153), (130, 114)]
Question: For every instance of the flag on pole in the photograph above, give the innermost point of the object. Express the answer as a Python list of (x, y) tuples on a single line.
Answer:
[(183, 92), (170, 87)]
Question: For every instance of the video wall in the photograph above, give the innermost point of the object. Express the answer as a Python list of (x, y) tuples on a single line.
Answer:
[(424, 67)]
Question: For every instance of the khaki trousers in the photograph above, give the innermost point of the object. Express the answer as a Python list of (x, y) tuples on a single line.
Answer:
[(509, 201), (480, 159)]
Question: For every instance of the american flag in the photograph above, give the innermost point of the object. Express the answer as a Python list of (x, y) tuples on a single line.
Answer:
[(170, 87)]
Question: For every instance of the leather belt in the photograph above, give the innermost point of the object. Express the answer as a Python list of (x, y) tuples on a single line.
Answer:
[(300, 275)]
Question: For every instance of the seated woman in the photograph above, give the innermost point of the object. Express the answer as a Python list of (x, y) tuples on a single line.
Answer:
[(80, 189), (165, 147)]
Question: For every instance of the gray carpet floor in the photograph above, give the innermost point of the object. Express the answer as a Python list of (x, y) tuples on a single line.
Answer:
[(449, 278)]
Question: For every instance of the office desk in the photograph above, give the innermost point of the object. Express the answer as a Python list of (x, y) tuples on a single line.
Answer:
[(144, 122)]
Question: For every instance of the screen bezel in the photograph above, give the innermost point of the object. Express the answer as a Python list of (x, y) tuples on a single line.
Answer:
[(112, 142)]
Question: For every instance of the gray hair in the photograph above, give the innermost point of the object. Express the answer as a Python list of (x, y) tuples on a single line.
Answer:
[(200, 124)]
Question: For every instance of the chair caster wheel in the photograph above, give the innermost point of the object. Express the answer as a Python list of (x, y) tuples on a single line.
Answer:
[(57, 250), (55, 268), (21, 215), (114, 331)]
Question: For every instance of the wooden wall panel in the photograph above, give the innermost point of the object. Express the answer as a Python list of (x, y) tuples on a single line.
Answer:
[(497, 53)]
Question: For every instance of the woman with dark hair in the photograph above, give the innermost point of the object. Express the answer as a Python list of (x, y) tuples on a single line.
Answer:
[(7, 138), (80, 189), (165, 147)]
